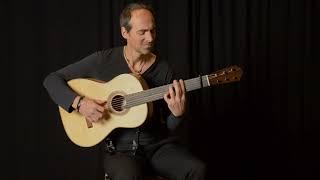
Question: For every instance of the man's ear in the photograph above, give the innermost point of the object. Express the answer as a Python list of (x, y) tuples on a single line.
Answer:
[(124, 32)]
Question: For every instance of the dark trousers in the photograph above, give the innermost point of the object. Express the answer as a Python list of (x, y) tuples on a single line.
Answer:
[(169, 160)]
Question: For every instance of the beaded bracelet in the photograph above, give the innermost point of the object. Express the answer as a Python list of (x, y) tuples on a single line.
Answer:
[(79, 103)]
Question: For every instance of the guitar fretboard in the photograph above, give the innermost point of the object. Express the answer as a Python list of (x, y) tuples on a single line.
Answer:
[(157, 93)]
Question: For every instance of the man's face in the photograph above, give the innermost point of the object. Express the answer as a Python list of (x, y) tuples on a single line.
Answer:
[(142, 34)]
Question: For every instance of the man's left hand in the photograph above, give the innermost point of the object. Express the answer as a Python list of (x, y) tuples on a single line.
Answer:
[(176, 98)]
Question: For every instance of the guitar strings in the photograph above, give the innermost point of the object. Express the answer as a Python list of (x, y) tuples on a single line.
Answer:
[(190, 85), (157, 93), (154, 94), (136, 100)]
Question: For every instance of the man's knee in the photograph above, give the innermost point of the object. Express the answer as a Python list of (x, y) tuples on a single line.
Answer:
[(126, 171), (198, 170), (195, 170)]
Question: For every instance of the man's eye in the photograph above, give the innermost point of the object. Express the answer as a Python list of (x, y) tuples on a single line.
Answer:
[(141, 32)]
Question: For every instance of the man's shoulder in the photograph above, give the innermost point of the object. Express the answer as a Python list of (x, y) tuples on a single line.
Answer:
[(162, 63), (110, 51)]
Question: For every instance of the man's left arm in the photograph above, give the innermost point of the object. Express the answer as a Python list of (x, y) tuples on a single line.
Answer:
[(176, 101)]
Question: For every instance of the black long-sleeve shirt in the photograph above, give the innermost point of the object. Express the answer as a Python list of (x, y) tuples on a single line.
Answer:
[(105, 65)]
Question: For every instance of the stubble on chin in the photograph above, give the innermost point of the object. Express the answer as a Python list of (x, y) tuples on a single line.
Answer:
[(147, 50)]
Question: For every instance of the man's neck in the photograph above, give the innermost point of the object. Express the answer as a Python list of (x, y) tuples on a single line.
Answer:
[(132, 56)]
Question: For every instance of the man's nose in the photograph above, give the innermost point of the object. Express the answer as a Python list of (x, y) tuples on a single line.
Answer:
[(149, 37)]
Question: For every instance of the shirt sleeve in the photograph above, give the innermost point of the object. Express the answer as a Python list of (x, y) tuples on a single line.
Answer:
[(56, 82)]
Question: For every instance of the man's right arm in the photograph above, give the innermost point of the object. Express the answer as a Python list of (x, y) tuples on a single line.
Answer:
[(56, 82)]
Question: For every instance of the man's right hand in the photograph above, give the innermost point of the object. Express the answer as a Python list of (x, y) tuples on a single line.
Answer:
[(92, 110)]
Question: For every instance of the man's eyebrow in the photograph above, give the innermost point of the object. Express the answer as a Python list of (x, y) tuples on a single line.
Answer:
[(153, 28), (143, 30)]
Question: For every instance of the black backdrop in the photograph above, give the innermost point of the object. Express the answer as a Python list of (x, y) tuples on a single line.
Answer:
[(264, 127)]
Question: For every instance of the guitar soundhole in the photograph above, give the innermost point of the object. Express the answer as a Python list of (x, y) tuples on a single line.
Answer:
[(117, 103)]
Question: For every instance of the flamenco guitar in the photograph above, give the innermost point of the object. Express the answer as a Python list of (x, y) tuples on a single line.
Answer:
[(129, 102)]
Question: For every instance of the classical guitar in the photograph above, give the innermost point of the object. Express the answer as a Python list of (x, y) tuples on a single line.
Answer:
[(129, 102)]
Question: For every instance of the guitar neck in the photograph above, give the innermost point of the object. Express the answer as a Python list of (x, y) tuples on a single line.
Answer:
[(158, 92)]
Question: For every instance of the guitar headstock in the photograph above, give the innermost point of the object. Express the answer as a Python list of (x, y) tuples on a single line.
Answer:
[(225, 75)]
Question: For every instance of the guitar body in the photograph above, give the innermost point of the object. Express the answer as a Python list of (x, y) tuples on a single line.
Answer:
[(75, 124)]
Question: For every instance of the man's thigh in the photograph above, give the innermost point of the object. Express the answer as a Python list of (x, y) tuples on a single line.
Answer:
[(176, 162), (119, 165)]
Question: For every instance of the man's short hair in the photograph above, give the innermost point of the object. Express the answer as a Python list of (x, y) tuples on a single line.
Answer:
[(125, 15)]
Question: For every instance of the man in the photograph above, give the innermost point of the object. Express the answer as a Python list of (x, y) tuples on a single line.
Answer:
[(132, 153)]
